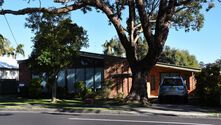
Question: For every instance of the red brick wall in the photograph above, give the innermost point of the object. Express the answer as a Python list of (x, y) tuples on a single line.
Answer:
[(123, 85), (24, 73), (113, 66), (156, 70)]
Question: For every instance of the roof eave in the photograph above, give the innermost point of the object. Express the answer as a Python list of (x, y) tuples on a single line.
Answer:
[(179, 68)]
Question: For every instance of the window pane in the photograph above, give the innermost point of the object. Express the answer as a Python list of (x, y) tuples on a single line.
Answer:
[(89, 78), (79, 74), (172, 82), (98, 76), (71, 79), (61, 78)]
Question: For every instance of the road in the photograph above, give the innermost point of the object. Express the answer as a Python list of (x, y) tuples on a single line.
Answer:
[(45, 118)]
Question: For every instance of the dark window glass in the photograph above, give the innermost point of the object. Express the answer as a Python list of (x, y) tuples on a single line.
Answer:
[(172, 82), (170, 74)]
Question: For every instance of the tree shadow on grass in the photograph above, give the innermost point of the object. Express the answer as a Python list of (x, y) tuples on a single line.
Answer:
[(99, 106)]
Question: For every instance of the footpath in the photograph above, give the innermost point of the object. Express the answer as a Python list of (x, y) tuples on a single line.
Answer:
[(180, 110), (154, 109)]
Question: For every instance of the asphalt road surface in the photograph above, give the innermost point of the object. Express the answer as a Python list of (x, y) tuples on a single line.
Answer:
[(45, 118)]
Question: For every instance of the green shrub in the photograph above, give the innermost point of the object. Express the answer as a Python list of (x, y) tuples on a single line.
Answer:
[(35, 88), (81, 91), (119, 97), (105, 90), (208, 85), (79, 88), (88, 93)]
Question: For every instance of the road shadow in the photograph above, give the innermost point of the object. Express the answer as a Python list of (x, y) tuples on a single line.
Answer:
[(5, 114), (60, 113)]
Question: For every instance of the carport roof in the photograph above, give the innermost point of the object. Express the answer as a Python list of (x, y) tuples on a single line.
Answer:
[(171, 66), (8, 63)]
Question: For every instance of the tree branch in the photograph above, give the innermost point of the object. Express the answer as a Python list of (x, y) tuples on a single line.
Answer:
[(165, 13), (185, 2), (47, 10), (131, 26), (145, 21), (111, 16)]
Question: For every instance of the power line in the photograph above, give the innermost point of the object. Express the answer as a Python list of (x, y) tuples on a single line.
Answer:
[(10, 28)]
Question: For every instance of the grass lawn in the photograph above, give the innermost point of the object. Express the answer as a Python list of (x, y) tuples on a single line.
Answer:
[(64, 104)]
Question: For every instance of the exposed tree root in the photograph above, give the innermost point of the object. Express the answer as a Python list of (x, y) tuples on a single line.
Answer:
[(136, 99)]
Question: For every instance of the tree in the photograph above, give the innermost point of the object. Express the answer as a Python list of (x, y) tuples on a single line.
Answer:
[(178, 57), (4, 46), (113, 47), (56, 41), (208, 85), (19, 50), (151, 18), (218, 63), (7, 49)]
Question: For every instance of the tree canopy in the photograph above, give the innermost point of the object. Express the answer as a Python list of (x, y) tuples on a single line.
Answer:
[(113, 47), (7, 49), (178, 57), (56, 42)]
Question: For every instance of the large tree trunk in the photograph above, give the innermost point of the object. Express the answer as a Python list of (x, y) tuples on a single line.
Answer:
[(53, 82), (54, 92), (138, 91)]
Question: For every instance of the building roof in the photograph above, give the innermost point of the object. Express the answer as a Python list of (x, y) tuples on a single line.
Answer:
[(8, 63), (97, 56), (159, 64), (184, 68)]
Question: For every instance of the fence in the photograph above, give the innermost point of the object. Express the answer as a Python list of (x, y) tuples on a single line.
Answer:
[(8, 86)]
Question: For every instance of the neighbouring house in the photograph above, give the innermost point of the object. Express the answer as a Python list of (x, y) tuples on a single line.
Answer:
[(9, 75), (97, 69)]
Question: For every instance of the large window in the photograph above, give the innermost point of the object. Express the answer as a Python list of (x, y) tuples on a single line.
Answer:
[(9, 74), (91, 76)]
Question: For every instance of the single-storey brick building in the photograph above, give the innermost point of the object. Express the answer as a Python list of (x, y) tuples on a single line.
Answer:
[(96, 69)]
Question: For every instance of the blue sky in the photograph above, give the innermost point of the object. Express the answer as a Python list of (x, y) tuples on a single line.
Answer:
[(205, 44)]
